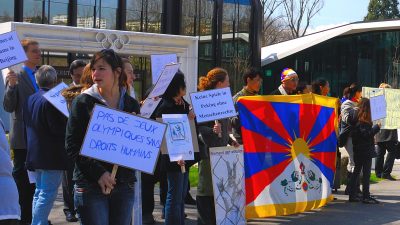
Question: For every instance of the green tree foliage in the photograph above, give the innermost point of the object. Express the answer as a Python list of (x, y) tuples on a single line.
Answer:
[(382, 9)]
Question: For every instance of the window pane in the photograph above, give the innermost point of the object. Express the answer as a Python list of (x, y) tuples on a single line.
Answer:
[(7, 11), (144, 15)]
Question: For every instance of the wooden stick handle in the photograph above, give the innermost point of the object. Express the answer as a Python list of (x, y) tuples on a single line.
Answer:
[(113, 174), (183, 169), (216, 123)]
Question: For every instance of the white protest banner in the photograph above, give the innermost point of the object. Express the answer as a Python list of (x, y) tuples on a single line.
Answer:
[(148, 107), (178, 137), (213, 104), (158, 62), (163, 81), (392, 96), (11, 51), (123, 139), (227, 169), (56, 99), (378, 107)]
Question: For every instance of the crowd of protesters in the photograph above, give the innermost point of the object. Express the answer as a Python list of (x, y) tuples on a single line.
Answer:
[(47, 143)]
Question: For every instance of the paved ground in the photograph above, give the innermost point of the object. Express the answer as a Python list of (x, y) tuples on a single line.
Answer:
[(337, 212)]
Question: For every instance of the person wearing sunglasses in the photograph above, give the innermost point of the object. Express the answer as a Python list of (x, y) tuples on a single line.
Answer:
[(289, 80), (94, 203)]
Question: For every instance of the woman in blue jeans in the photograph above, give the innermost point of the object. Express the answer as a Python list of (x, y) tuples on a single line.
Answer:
[(95, 205), (173, 103)]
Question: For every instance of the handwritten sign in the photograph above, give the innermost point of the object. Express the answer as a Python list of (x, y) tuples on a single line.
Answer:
[(56, 99), (123, 139), (163, 82), (213, 105), (227, 169), (392, 96), (148, 107), (158, 62), (378, 107), (11, 51), (178, 137)]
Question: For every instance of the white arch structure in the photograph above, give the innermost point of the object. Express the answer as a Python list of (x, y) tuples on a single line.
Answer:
[(57, 38)]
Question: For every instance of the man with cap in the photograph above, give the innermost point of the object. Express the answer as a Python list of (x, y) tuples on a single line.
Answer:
[(289, 80)]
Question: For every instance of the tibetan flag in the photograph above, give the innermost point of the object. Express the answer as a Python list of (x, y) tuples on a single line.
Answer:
[(289, 152)]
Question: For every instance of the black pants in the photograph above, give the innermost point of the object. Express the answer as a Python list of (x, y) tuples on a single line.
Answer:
[(9, 222), (385, 169), (25, 189), (361, 163), (68, 191), (148, 182), (205, 210)]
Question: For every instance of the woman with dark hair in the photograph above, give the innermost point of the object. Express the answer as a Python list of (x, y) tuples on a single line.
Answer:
[(302, 88), (320, 87), (95, 204), (363, 148), (212, 135), (347, 121), (173, 103)]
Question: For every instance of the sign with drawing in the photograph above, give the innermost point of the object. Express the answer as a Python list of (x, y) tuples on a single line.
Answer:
[(56, 99)]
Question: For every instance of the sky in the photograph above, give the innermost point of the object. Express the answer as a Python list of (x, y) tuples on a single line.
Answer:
[(338, 12)]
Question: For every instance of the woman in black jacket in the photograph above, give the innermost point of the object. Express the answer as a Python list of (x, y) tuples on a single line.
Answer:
[(363, 147), (92, 177), (173, 103)]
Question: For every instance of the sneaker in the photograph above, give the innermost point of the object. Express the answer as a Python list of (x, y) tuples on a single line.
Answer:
[(388, 177), (370, 200), (70, 217), (354, 199), (189, 200)]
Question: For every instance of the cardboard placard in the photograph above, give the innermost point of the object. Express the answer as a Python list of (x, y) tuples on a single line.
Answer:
[(163, 81), (378, 107), (158, 62), (56, 99), (148, 107), (11, 51), (123, 139), (213, 104)]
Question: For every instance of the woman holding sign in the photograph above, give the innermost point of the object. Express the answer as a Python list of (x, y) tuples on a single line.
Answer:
[(213, 135), (177, 172), (93, 181)]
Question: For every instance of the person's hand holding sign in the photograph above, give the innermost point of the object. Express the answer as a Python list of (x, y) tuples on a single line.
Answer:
[(12, 78), (182, 163), (217, 128), (106, 183)]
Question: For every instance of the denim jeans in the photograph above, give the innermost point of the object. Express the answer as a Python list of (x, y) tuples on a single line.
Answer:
[(47, 183), (95, 208), (175, 203)]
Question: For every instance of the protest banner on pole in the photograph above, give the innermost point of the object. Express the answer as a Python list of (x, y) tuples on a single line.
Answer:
[(11, 51), (163, 81), (158, 62), (56, 99), (227, 169), (123, 139), (378, 107), (148, 107), (213, 104), (178, 137)]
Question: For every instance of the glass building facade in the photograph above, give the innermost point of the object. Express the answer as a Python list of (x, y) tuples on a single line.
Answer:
[(225, 28), (366, 58)]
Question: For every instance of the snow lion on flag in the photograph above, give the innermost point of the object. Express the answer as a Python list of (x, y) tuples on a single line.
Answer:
[(289, 152)]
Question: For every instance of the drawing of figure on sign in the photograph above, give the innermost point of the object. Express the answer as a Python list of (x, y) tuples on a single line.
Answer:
[(177, 131)]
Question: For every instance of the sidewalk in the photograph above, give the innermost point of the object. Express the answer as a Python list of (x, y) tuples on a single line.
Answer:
[(337, 212)]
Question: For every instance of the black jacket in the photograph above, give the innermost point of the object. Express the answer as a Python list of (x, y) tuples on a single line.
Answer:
[(363, 138), (88, 170), (168, 106), (45, 131)]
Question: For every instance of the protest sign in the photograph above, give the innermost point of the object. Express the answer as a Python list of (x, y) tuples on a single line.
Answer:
[(163, 81), (56, 99), (148, 107), (392, 96), (378, 107), (158, 62), (178, 137), (11, 51), (227, 169), (213, 104), (123, 139), (17, 69)]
